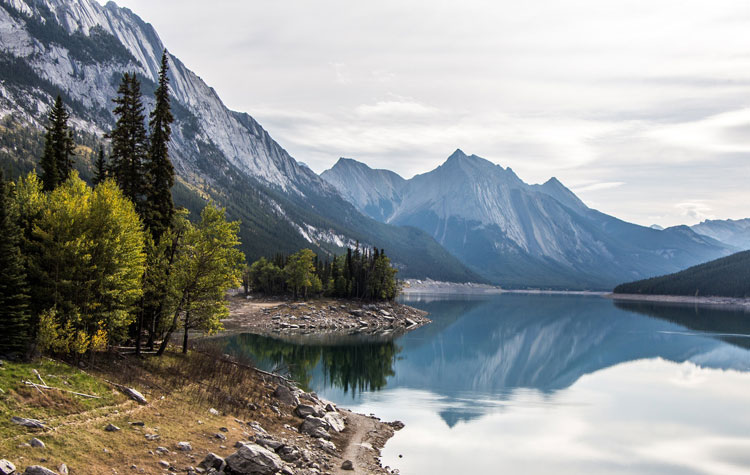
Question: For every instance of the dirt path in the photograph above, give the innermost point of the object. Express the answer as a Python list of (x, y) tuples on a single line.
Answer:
[(368, 436)]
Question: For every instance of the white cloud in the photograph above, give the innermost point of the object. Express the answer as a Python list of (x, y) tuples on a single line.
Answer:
[(654, 94)]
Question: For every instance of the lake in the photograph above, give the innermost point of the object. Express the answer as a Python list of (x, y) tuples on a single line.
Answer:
[(523, 383)]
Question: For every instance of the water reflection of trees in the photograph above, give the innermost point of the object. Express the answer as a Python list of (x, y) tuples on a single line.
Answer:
[(364, 366)]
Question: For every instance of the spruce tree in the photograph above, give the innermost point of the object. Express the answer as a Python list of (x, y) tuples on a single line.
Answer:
[(160, 169), (100, 174), (130, 143), (59, 148), (14, 294)]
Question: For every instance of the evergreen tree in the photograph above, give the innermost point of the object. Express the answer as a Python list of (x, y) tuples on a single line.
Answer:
[(100, 174), (59, 148), (130, 143), (160, 170), (14, 297)]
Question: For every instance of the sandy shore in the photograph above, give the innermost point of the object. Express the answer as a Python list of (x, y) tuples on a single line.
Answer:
[(680, 299)]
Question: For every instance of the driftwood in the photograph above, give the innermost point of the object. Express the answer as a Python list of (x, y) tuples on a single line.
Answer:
[(39, 388), (38, 376)]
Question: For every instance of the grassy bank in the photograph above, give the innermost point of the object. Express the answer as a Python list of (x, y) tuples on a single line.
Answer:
[(180, 390)]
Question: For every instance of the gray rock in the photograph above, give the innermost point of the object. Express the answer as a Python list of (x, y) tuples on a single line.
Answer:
[(212, 461), (38, 470), (304, 410), (63, 469), (213, 412), (287, 471), (184, 446), (7, 467), (223, 429), (315, 427), (31, 423), (347, 465), (258, 429), (327, 446), (285, 395), (220, 436), (289, 453), (330, 407), (252, 459), (37, 443), (152, 436), (111, 428), (162, 450), (268, 443), (138, 423), (335, 420), (164, 463)]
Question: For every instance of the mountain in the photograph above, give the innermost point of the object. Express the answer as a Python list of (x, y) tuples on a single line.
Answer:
[(725, 277), (521, 235), (80, 49), (375, 192), (729, 231)]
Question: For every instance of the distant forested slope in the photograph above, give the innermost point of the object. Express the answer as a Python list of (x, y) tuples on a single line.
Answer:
[(725, 277)]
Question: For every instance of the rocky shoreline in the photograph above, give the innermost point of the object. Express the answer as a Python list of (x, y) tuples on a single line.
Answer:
[(317, 317)]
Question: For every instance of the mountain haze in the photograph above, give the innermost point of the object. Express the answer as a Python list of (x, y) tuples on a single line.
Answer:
[(80, 49), (521, 235), (734, 232)]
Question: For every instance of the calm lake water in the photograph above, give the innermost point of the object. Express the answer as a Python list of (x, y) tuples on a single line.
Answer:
[(543, 384)]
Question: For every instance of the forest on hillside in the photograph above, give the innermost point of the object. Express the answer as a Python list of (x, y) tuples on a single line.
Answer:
[(725, 277)]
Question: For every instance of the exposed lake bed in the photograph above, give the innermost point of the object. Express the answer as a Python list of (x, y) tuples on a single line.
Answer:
[(533, 383)]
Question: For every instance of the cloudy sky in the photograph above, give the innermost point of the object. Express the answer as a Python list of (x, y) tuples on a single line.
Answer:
[(640, 107)]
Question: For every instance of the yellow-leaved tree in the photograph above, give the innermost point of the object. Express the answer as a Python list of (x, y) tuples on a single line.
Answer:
[(87, 259), (207, 264)]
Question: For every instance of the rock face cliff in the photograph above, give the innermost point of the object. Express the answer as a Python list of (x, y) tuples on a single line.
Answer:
[(80, 49), (517, 234)]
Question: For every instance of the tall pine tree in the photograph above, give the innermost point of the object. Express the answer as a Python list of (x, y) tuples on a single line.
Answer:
[(160, 171), (14, 293), (59, 148), (100, 173), (130, 143)]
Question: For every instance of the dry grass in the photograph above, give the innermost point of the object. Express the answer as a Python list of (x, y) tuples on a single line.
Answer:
[(180, 389)]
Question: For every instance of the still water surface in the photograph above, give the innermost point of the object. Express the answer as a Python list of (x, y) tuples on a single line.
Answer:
[(543, 384)]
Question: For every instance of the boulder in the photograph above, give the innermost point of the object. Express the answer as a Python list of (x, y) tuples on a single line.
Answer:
[(184, 446), (7, 467), (289, 453), (38, 470), (347, 465), (327, 446), (304, 410), (31, 423), (258, 429), (335, 420), (213, 412), (37, 443), (63, 469), (285, 395), (270, 444), (111, 428), (212, 461), (253, 459), (315, 427)]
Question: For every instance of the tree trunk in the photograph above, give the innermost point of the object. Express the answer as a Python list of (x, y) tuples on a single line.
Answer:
[(187, 329), (156, 320), (172, 327)]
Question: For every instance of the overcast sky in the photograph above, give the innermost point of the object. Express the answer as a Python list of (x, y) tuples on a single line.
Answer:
[(640, 107)]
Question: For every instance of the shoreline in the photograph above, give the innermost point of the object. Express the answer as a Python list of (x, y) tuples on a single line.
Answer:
[(434, 287), (682, 299), (331, 320)]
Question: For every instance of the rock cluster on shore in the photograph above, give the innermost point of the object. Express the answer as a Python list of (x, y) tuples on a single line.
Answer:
[(330, 316)]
